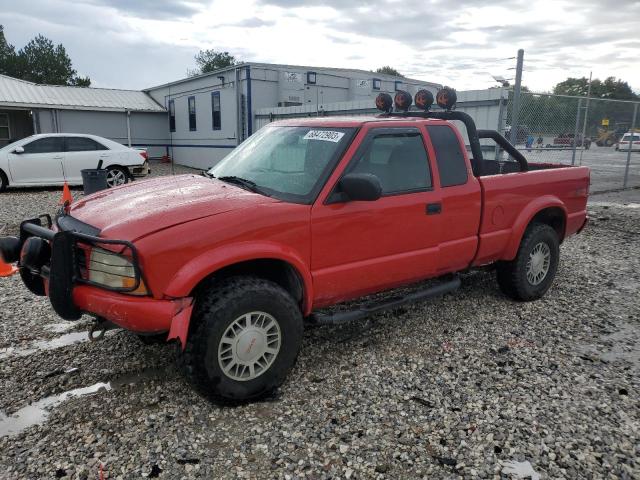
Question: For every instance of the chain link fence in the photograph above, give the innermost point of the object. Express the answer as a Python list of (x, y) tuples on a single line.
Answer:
[(578, 131)]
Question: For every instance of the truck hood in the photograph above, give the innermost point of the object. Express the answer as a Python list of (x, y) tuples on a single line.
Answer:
[(143, 207)]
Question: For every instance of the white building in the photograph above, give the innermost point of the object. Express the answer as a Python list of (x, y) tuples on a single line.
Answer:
[(210, 114), (125, 116)]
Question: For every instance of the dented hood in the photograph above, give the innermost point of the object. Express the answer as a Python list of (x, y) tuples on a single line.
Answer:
[(143, 207)]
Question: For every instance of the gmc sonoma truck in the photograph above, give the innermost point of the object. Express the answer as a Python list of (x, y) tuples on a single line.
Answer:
[(303, 215)]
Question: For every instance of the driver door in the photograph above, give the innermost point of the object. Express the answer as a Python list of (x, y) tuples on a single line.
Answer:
[(359, 247), (40, 163)]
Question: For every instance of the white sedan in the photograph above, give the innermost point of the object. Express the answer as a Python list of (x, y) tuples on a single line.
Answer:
[(53, 158)]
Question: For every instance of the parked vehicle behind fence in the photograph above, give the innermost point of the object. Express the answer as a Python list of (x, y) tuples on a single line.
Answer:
[(623, 144), (55, 158)]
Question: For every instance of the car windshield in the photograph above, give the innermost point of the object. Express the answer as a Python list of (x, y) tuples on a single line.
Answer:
[(289, 163)]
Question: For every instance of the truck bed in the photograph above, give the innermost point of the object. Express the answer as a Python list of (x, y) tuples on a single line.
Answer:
[(511, 200)]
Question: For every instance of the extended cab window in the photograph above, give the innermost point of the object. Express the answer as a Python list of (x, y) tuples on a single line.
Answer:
[(398, 159), (44, 145), (451, 164), (81, 144), (289, 163)]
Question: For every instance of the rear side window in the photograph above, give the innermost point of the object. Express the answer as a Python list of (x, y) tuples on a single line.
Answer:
[(451, 164), (399, 160), (81, 144), (44, 145)]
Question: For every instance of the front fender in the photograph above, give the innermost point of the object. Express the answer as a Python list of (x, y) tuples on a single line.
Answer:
[(524, 219), (200, 267)]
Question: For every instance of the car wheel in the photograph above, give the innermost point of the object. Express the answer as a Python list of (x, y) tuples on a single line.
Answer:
[(4, 183), (117, 176), (531, 273), (244, 338)]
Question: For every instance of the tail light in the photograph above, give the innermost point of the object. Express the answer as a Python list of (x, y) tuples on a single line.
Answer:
[(144, 154)]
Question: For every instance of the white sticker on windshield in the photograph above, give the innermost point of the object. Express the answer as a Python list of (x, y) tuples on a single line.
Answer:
[(325, 135)]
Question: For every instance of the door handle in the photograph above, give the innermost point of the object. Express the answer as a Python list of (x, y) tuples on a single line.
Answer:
[(57, 158), (434, 208)]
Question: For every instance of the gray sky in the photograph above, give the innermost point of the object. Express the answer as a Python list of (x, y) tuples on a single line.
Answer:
[(140, 43)]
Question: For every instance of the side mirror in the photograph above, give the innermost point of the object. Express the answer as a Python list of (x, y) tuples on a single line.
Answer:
[(18, 150), (360, 186)]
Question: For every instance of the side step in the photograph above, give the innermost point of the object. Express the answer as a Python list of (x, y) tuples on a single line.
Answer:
[(387, 304)]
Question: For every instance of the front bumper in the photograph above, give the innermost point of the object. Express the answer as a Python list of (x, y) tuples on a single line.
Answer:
[(62, 276)]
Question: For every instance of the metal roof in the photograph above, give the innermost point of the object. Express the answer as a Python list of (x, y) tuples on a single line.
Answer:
[(23, 94), (277, 66)]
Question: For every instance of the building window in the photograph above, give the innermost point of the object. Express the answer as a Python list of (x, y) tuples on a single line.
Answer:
[(398, 85), (376, 83), (311, 78), (215, 111), (192, 114), (172, 116), (4, 126)]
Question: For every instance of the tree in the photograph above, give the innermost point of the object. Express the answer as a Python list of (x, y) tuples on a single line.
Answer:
[(39, 61), (387, 70), (612, 88), (211, 60), (7, 55)]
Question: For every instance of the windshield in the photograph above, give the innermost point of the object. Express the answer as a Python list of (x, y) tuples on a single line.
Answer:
[(289, 163)]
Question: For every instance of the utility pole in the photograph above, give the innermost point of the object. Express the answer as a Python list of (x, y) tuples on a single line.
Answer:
[(515, 106)]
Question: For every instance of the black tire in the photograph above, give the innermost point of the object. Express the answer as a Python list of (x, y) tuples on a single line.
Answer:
[(4, 182), (217, 308), (117, 172), (512, 276)]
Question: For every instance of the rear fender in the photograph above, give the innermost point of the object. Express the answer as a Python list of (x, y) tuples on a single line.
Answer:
[(524, 219), (192, 273)]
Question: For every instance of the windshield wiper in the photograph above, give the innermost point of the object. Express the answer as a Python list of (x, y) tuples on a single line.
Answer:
[(243, 182), (204, 173)]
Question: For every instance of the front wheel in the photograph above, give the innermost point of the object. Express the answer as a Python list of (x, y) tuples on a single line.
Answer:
[(244, 338), (531, 273), (117, 176)]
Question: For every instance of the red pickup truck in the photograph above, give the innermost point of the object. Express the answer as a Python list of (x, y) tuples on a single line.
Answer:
[(305, 214)]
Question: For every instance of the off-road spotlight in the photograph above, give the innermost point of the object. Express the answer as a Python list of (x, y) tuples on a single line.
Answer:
[(423, 99), (446, 98), (402, 101), (384, 102)]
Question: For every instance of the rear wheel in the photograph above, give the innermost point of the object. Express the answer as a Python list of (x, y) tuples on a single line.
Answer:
[(244, 338), (4, 183), (531, 273), (117, 176)]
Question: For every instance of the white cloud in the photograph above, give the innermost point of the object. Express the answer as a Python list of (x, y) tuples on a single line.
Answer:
[(140, 44)]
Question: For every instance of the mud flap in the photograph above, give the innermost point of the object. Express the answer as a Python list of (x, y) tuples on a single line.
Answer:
[(180, 323)]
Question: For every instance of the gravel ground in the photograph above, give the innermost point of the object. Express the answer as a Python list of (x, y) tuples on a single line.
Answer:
[(471, 385)]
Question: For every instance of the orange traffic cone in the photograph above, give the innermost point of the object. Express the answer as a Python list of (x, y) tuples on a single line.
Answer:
[(66, 195), (6, 269)]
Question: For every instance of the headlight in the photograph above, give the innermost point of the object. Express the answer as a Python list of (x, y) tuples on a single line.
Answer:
[(114, 271)]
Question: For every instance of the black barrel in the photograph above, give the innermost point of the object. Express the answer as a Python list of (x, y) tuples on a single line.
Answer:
[(94, 180)]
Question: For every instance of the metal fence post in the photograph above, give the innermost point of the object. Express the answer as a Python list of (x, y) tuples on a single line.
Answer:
[(633, 126), (515, 106), (575, 133), (500, 127)]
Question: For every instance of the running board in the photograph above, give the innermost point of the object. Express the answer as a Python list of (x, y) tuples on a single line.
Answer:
[(387, 304)]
